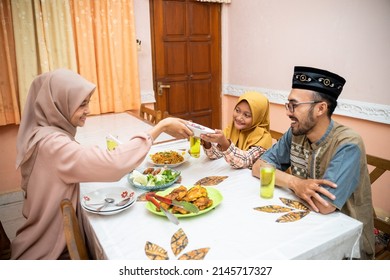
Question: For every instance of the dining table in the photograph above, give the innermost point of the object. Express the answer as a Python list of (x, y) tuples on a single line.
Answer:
[(240, 225)]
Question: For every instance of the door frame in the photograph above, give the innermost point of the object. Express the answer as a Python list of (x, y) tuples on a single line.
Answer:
[(217, 98)]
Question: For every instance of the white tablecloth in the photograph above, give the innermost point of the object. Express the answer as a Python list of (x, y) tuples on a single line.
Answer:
[(232, 231)]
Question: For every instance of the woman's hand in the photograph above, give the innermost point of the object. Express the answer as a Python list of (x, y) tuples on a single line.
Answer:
[(173, 126)]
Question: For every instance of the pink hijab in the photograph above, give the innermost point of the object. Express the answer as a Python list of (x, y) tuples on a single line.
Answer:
[(52, 100)]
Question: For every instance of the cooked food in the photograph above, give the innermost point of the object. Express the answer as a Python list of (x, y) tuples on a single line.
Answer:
[(195, 192), (167, 157), (179, 210), (148, 170), (196, 195), (178, 193), (203, 202)]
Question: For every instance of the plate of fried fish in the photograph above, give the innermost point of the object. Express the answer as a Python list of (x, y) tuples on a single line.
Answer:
[(205, 198)]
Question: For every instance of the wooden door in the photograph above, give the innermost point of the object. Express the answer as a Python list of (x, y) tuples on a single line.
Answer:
[(186, 38)]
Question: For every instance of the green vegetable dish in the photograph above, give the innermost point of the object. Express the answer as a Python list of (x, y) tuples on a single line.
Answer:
[(153, 178)]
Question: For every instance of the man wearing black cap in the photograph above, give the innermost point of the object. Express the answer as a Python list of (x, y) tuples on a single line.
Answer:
[(327, 160)]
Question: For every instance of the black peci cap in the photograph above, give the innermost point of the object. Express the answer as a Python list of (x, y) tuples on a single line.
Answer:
[(318, 80)]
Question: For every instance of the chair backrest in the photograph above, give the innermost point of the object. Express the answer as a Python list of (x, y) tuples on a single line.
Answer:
[(74, 238), (5, 244), (380, 167), (276, 134), (166, 115), (150, 115)]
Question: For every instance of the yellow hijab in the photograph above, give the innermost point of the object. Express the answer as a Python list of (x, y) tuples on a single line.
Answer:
[(258, 133)]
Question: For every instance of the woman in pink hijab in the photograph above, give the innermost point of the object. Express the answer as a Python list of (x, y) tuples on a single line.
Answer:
[(52, 163)]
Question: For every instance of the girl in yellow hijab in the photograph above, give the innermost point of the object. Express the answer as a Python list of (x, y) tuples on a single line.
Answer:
[(247, 137)]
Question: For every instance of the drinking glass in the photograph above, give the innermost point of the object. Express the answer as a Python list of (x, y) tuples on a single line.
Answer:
[(112, 142), (194, 146), (267, 180)]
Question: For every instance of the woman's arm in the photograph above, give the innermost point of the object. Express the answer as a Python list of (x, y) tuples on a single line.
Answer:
[(173, 126)]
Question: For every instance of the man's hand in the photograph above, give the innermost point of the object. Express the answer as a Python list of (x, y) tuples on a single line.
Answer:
[(310, 189), (307, 189)]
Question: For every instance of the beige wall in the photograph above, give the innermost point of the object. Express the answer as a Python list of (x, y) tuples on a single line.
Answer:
[(349, 37)]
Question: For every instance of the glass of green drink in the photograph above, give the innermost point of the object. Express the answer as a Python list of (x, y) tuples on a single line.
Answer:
[(267, 180)]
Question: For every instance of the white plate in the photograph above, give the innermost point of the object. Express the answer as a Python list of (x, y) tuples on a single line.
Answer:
[(199, 129), (112, 212), (183, 153), (114, 208), (93, 200)]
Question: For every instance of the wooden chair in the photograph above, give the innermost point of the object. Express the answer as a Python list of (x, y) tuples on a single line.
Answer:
[(74, 238), (150, 115), (5, 244), (380, 167), (166, 115), (276, 134)]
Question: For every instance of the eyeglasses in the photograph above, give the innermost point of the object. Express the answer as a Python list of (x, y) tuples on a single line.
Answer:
[(291, 106)]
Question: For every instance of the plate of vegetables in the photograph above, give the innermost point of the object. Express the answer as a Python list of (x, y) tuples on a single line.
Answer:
[(152, 179)]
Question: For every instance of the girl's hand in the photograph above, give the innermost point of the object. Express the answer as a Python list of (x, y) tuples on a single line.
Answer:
[(217, 137), (205, 144)]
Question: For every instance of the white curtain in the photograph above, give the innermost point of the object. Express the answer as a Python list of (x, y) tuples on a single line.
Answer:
[(216, 1)]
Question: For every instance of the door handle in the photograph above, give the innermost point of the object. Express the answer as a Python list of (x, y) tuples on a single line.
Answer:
[(160, 87)]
